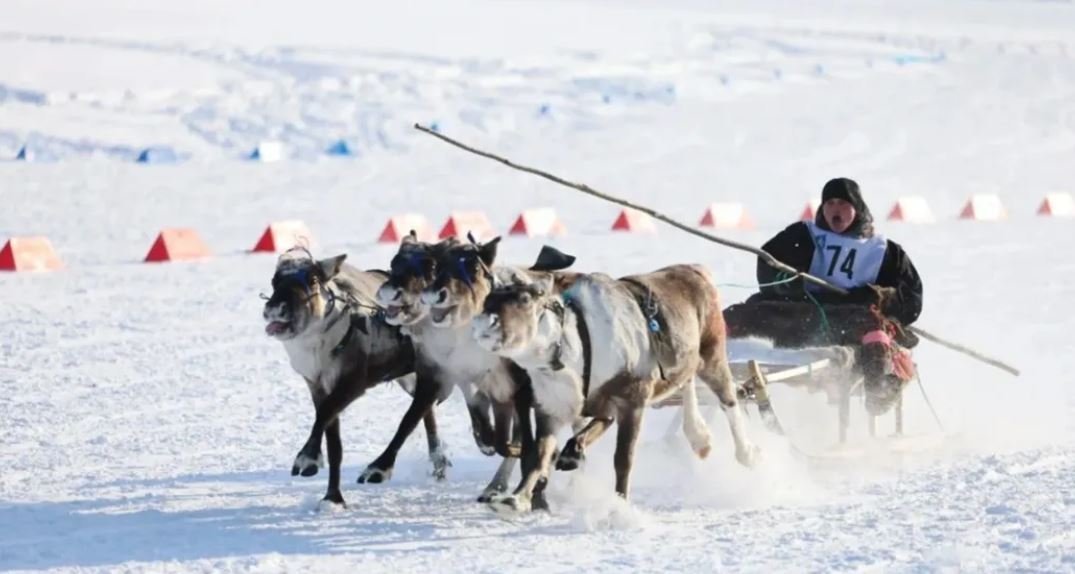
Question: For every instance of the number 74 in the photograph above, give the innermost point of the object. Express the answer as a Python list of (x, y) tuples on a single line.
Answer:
[(848, 266)]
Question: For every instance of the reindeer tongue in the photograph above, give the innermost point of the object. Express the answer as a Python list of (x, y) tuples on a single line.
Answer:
[(275, 328)]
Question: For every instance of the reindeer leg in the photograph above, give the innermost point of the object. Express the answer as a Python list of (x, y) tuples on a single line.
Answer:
[(524, 435), (309, 459), (504, 423), (437, 456), (425, 396), (499, 483), (327, 409), (718, 376), (481, 427), (574, 451), (335, 458), (522, 500), (504, 418), (630, 423), (694, 425)]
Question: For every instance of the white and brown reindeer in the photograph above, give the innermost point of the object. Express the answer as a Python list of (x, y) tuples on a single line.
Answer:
[(424, 298), (606, 348), (410, 271), (322, 313)]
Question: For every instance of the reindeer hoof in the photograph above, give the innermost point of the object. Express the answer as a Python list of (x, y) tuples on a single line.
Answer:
[(570, 456), (305, 465), (487, 447), (703, 452), (491, 492), (539, 502), (748, 456), (510, 505), (374, 475), (333, 499), (568, 461), (441, 463)]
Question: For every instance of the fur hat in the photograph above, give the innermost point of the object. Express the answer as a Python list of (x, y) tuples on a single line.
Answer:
[(847, 190)]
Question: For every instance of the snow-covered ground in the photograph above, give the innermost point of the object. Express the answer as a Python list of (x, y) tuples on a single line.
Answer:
[(149, 425)]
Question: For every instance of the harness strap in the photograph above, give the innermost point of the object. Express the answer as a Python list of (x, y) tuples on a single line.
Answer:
[(651, 310), (348, 335), (587, 347)]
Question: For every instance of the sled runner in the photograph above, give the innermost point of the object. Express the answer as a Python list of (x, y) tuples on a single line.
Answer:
[(849, 352)]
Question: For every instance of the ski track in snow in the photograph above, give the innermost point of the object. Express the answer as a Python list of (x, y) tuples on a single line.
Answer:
[(149, 425)]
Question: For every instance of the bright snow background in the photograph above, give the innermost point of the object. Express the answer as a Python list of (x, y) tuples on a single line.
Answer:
[(149, 425)]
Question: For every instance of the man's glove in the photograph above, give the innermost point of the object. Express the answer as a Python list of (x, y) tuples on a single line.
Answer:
[(883, 297)]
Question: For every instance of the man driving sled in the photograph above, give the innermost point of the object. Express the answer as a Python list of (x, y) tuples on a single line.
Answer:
[(885, 293)]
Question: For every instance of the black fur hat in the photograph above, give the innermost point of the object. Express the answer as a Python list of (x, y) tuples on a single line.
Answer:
[(847, 190)]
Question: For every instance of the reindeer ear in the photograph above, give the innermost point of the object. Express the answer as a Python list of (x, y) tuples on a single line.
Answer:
[(885, 296), (552, 259), (487, 251), (331, 266)]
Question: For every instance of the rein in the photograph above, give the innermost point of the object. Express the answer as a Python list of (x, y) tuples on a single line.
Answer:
[(584, 336)]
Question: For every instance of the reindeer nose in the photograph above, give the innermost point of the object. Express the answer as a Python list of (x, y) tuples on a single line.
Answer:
[(437, 297), (278, 308)]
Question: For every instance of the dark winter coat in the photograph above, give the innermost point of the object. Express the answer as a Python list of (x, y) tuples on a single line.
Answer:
[(795, 247)]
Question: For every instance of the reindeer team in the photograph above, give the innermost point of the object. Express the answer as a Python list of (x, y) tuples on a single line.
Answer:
[(533, 350)]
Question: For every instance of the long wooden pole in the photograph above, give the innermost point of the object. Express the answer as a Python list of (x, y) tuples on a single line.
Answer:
[(710, 237)]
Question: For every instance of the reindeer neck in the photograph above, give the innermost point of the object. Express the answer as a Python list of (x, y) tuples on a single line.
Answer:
[(312, 353), (337, 328), (417, 331), (561, 345)]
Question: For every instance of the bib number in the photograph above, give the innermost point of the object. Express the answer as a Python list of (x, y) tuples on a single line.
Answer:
[(848, 265)]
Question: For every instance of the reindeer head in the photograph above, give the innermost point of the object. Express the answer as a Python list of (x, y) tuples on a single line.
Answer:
[(413, 268), (300, 298), (464, 277), (884, 297), (519, 317)]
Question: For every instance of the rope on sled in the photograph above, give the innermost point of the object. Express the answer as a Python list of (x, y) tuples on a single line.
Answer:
[(825, 328), (921, 387), (760, 285)]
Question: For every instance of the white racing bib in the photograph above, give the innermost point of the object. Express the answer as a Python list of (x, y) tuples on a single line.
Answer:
[(845, 261)]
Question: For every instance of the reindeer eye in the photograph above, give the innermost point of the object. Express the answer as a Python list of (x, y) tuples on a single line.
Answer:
[(524, 298)]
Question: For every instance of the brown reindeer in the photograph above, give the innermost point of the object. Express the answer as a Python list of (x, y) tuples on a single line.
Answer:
[(322, 313), (607, 348)]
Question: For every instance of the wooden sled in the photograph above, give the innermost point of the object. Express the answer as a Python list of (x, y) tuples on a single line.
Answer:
[(809, 347)]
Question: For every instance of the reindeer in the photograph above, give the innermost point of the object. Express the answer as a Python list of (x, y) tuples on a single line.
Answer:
[(653, 333), (433, 292), (411, 269), (321, 313)]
